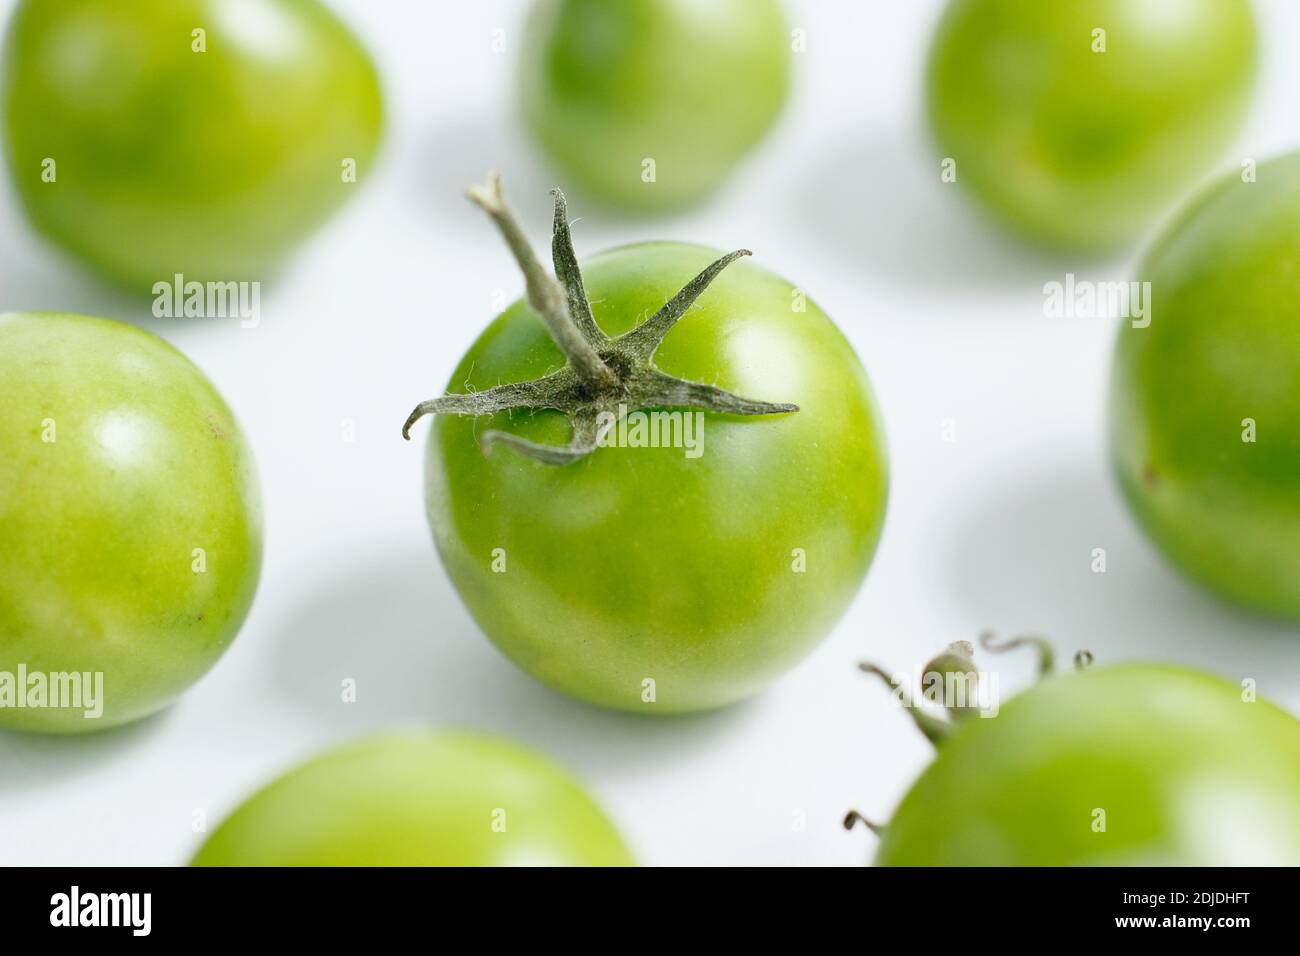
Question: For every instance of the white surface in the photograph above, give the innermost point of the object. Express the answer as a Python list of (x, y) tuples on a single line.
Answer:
[(995, 529)]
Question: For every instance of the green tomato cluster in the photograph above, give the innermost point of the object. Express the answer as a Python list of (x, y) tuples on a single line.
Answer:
[(654, 579), (419, 799), (706, 554), (130, 525), (649, 104), (1131, 764), (1205, 399), (1080, 123), (199, 137)]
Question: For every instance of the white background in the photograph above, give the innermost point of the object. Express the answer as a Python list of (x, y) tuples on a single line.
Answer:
[(994, 530)]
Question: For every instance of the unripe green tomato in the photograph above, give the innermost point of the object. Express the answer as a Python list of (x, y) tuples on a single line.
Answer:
[(419, 799), (1079, 146), (674, 91), (130, 529), (1131, 764), (655, 579), (147, 149), (1205, 401)]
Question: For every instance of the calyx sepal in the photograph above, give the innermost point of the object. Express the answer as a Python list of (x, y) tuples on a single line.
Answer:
[(603, 378)]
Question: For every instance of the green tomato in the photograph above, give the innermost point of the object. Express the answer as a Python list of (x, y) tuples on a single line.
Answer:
[(1205, 400), (130, 530), (146, 156), (1133, 764), (665, 579), (420, 799), (609, 86), (1076, 146)]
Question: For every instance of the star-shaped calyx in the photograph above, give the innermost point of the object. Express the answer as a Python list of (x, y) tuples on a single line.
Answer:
[(614, 376)]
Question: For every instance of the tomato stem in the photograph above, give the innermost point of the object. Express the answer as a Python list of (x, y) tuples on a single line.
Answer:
[(852, 818), (935, 730), (645, 338), (951, 680), (603, 379), (567, 271), (1046, 653), (544, 293)]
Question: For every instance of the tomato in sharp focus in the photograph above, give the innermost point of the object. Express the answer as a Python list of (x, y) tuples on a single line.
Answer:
[(419, 799), (1080, 147), (130, 529), (1130, 764), (693, 87), (663, 579), (1205, 400), (145, 157)]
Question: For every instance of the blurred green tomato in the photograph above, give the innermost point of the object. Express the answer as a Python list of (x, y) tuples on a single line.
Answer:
[(1133, 764), (130, 531), (1079, 122), (419, 799), (1205, 402), (649, 104), (202, 137)]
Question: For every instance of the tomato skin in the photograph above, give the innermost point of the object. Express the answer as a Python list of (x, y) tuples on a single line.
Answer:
[(641, 563), (606, 85), (419, 799), (1223, 347), (1186, 771), (213, 164), (1081, 149), (98, 526)]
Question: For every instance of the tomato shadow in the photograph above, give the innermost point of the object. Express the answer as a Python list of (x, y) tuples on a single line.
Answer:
[(1024, 564), (38, 276), (397, 631), (879, 205), (29, 761)]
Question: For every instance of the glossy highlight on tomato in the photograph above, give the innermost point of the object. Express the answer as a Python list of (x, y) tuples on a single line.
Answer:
[(1080, 123), (130, 524), (649, 105), (419, 799), (198, 137), (1205, 400)]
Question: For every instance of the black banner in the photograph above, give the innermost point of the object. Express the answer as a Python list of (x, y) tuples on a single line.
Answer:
[(334, 905)]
